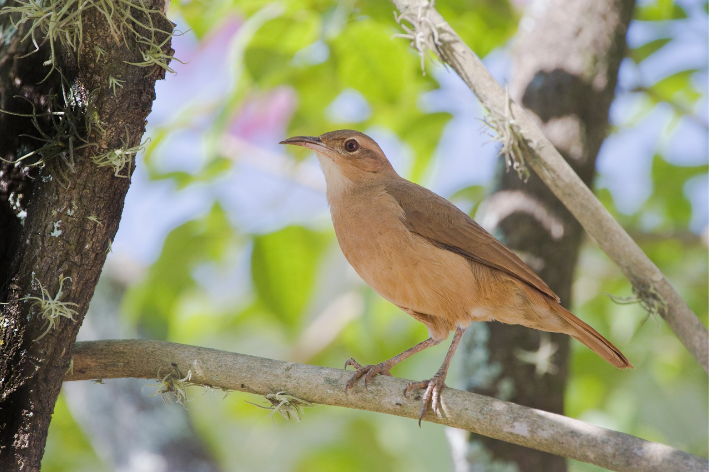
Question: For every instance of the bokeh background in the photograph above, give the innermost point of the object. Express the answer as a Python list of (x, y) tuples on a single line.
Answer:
[(226, 241)]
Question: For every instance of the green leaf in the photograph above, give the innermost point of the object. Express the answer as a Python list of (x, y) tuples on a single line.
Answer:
[(485, 27), (674, 83), (287, 35), (370, 62), (586, 392), (641, 53), (266, 66), (212, 170), (474, 194), (283, 268), (667, 200), (661, 10), (423, 135), (676, 89), (201, 17), (317, 87)]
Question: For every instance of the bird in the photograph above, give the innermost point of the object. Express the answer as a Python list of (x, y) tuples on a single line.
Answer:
[(423, 254)]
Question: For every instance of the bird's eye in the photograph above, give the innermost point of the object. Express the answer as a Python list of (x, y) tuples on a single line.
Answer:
[(351, 145)]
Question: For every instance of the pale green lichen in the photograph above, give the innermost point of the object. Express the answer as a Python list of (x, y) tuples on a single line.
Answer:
[(58, 20), (153, 55), (286, 405), (57, 232), (514, 145), (69, 123), (51, 308), (112, 82), (173, 386), (648, 297), (61, 21), (423, 33), (120, 158), (99, 52)]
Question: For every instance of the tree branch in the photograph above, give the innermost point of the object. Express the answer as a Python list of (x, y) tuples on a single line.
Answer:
[(483, 415), (652, 288)]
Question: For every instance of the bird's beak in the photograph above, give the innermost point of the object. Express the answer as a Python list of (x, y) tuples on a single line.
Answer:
[(309, 142)]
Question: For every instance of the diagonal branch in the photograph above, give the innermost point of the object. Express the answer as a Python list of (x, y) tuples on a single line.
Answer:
[(651, 287), (483, 415)]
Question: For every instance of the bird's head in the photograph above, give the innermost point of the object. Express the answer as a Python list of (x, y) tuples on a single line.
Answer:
[(346, 153)]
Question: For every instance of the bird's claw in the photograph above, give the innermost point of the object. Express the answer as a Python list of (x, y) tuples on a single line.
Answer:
[(353, 363), (431, 396), (368, 371)]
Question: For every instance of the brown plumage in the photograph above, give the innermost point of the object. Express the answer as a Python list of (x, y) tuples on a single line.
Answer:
[(420, 252)]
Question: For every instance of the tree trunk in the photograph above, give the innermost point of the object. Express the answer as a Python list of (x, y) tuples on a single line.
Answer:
[(72, 205), (566, 63)]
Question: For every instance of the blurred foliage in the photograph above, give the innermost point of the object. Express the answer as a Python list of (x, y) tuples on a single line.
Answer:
[(641, 53), (152, 302), (322, 48), (660, 10), (678, 89), (357, 450), (283, 269), (261, 292), (68, 449)]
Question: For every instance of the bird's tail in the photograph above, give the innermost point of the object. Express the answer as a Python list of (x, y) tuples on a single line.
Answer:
[(592, 338)]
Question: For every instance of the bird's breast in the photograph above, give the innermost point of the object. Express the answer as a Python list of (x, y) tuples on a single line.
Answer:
[(401, 266)]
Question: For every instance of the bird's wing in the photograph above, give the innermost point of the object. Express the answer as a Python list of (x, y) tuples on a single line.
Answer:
[(441, 222)]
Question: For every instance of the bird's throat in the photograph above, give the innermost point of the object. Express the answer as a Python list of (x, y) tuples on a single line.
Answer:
[(338, 183)]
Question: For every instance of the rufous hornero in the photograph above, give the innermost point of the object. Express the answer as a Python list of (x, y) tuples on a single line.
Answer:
[(424, 255)]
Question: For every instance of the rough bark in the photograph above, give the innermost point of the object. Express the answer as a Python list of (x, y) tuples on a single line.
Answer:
[(72, 210), (566, 62)]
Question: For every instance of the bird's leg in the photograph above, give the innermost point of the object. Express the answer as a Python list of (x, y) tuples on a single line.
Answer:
[(369, 371), (433, 386)]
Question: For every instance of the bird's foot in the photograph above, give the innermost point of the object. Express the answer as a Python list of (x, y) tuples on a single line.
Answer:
[(368, 371), (431, 396)]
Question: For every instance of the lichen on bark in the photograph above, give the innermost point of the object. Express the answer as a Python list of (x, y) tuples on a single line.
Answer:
[(58, 216)]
